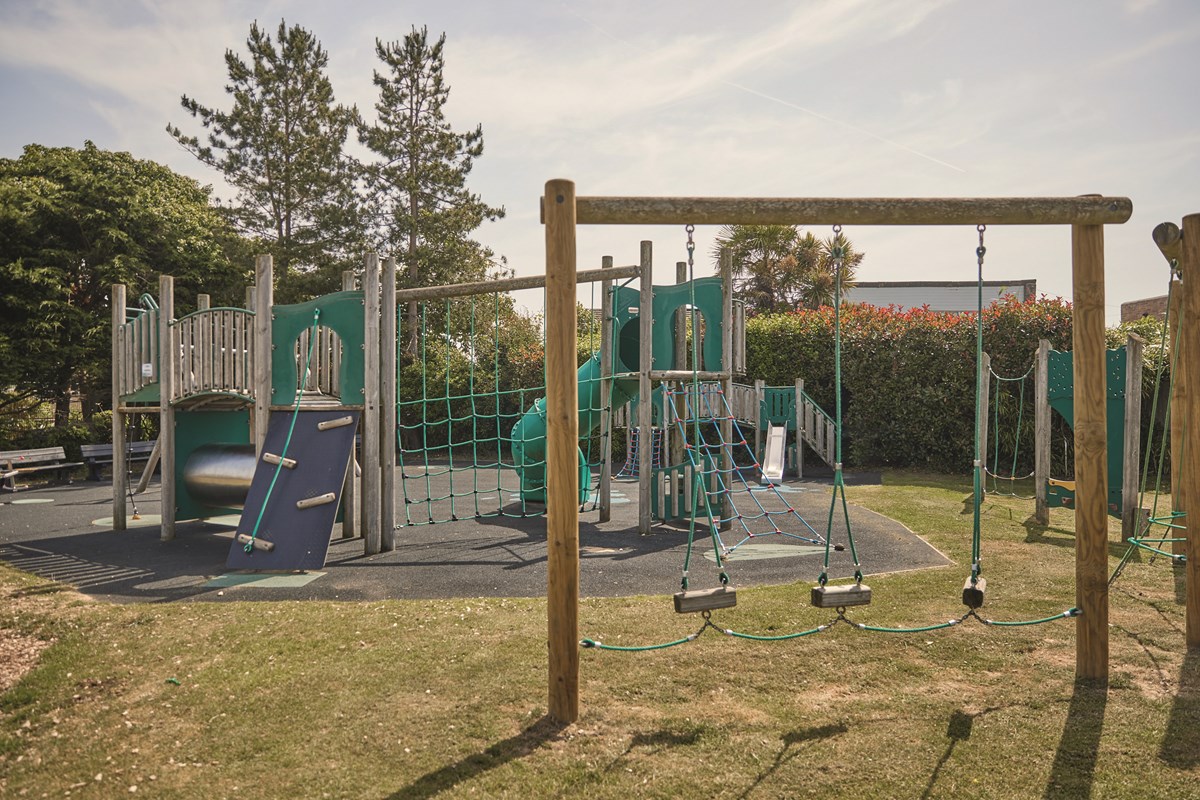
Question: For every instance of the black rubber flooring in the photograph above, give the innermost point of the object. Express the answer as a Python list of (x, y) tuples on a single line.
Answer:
[(53, 533)]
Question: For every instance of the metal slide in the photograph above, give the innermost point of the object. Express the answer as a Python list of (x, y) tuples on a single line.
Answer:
[(773, 455)]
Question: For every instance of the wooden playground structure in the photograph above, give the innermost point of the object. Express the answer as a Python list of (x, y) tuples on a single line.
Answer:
[(220, 361)]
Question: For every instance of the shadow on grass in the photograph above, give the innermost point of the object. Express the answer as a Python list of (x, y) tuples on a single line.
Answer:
[(657, 741), (958, 730), (1181, 744), (790, 750), (1180, 575), (1036, 533), (499, 754), (1075, 761)]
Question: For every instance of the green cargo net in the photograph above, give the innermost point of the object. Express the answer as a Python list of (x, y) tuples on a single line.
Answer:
[(478, 371)]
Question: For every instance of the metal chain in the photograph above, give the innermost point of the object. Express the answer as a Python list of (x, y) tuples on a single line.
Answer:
[(691, 247)]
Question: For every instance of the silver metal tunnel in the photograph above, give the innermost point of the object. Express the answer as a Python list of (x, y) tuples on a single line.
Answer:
[(219, 474)]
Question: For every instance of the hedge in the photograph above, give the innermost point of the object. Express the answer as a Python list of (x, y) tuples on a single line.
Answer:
[(908, 376)]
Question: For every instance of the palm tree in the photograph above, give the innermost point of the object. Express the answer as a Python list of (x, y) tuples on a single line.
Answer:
[(776, 268)]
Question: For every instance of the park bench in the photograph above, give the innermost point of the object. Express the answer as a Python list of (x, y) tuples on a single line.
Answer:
[(14, 463), (97, 456)]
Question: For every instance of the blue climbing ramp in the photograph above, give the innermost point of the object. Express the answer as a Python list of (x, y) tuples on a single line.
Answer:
[(294, 496)]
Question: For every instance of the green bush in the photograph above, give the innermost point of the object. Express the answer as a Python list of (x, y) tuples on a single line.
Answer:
[(908, 376)]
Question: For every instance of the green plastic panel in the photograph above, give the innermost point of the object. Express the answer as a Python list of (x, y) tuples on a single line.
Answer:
[(1061, 395), (196, 428), (342, 312)]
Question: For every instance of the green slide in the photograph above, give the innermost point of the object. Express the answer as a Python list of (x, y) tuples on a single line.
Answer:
[(529, 434)]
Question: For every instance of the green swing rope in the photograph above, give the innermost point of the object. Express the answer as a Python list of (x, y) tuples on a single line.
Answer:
[(312, 340), (838, 252)]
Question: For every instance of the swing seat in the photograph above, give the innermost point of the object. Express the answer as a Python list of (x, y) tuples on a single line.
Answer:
[(689, 602), (972, 595), (852, 594)]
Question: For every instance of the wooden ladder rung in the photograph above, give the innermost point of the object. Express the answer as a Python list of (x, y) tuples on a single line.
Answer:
[(319, 500), (259, 544)]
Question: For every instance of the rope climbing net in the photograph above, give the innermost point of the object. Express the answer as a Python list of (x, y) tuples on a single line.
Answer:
[(470, 369), (730, 501)]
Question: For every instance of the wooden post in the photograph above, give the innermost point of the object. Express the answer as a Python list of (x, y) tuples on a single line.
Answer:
[(799, 428), (759, 393), (1180, 386), (1189, 494), (203, 302), (387, 411), (606, 412), (264, 299), (168, 368), (1091, 452), (645, 420), (562, 441), (985, 397), (120, 480), (727, 465), (1132, 454), (371, 502), (1041, 432), (350, 499), (674, 441)]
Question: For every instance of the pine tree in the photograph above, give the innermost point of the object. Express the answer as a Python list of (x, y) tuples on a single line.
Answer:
[(423, 211), (280, 147)]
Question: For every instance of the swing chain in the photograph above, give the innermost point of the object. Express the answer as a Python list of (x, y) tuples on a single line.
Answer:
[(691, 247), (981, 250)]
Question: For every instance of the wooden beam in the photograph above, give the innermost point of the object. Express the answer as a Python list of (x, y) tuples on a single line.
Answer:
[(509, 284), (350, 499), (1041, 432), (1190, 489), (562, 442), (264, 299), (645, 420), (1132, 447), (387, 407), (1169, 239), (1179, 406), (1088, 209), (371, 502), (120, 480), (168, 370), (726, 462), (606, 413), (1091, 453)]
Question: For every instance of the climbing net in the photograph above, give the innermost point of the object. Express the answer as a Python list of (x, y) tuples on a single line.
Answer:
[(730, 502), (469, 370)]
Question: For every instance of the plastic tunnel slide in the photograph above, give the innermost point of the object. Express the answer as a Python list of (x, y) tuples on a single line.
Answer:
[(529, 434)]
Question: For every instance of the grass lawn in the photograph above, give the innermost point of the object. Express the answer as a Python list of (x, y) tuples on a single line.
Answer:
[(424, 699)]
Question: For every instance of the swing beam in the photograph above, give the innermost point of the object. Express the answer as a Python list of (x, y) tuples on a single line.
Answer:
[(563, 211)]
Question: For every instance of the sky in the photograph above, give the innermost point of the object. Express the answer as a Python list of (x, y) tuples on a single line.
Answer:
[(801, 98)]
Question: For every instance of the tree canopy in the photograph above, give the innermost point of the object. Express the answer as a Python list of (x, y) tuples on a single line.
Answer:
[(422, 210), (778, 268), (281, 147), (73, 222)]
